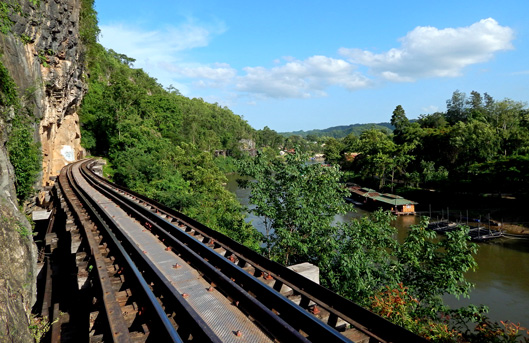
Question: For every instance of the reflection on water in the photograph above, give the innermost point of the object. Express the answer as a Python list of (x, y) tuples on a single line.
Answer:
[(502, 280), (502, 277)]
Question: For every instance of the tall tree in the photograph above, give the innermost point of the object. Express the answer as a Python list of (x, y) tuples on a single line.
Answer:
[(333, 150), (456, 107), (298, 202), (400, 121)]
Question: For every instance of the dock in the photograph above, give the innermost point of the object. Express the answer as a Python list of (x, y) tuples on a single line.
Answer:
[(476, 234)]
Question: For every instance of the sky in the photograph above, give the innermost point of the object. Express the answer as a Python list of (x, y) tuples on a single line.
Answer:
[(302, 65)]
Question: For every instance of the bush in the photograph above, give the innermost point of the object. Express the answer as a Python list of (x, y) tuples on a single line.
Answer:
[(25, 156)]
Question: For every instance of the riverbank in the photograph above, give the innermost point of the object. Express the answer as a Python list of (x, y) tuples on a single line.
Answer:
[(501, 279), (516, 230), (508, 212)]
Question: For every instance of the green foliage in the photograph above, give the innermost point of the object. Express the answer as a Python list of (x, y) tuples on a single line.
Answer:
[(24, 231), (464, 325), (24, 154), (398, 306), (432, 268), (298, 201), (269, 138), (226, 164), (7, 9), (25, 38), (361, 264), (480, 329), (333, 150), (367, 259), (161, 144), (361, 260), (119, 96), (444, 148), (340, 131), (39, 326), (8, 88), (88, 28), (43, 56), (399, 119), (432, 175)]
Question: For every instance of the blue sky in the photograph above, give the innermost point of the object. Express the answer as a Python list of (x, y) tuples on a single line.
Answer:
[(301, 65)]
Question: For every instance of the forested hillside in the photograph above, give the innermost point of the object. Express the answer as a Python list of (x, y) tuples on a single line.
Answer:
[(338, 131), (158, 142)]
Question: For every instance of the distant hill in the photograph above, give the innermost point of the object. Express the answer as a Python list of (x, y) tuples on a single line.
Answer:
[(339, 131)]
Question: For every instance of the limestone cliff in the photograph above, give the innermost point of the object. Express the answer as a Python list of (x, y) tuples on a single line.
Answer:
[(44, 57), (50, 65)]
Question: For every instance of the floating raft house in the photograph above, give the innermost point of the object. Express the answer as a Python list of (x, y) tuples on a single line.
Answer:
[(395, 203)]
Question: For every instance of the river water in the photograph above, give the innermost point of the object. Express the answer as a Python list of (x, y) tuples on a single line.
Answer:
[(501, 280)]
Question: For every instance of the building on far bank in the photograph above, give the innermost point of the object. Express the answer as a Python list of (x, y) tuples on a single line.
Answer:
[(371, 198)]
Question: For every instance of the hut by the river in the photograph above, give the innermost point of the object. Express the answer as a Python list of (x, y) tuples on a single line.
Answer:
[(371, 198)]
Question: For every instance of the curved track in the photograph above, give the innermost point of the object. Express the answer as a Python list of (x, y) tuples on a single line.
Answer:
[(158, 275)]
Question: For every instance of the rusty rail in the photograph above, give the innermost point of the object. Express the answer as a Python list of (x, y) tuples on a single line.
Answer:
[(181, 233), (156, 324)]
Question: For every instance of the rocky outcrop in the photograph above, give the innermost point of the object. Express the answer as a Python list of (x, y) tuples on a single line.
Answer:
[(47, 65), (17, 274), (44, 57), (59, 127)]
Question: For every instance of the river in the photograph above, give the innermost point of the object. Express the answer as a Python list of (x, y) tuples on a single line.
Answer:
[(501, 280)]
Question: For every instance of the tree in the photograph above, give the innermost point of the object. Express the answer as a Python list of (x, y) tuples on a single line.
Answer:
[(506, 117), (350, 143), (268, 138), (377, 150), (456, 107), (145, 132), (400, 121), (435, 120), (474, 141), (361, 259), (298, 202), (333, 151)]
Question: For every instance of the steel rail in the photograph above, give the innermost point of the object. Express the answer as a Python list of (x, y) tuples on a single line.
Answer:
[(379, 329), (159, 320), (187, 316), (118, 328), (215, 269)]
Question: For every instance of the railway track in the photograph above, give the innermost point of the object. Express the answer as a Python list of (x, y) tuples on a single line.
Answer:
[(146, 273)]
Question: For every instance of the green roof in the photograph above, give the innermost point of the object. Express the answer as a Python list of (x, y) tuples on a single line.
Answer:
[(393, 199)]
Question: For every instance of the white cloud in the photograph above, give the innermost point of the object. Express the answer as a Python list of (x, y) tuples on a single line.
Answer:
[(301, 79), (522, 72), (218, 71), (215, 75), (430, 52), (424, 52), (430, 109), (160, 50), (151, 44)]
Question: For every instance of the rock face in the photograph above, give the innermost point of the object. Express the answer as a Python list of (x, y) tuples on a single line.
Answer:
[(59, 127), (17, 274), (48, 71), (45, 59)]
